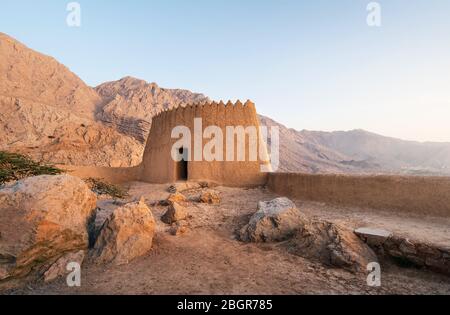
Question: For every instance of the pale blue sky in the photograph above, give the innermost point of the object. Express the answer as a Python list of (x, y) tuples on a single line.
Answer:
[(308, 64)]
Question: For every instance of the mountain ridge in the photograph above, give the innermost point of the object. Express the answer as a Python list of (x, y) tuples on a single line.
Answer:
[(47, 111)]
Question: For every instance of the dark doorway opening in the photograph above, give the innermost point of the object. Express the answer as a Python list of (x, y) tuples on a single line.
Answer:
[(182, 166)]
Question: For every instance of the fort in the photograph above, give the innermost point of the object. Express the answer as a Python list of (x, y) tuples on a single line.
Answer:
[(400, 193), (159, 166)]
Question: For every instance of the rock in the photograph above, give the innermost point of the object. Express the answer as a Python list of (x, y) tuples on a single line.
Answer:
[(172, 189), (331, 245), (126, 234), (438, 265), (183, 186), (59, 268), (209, 197), (179, 228), (373, 237), (275, 220), (407, 248), (176, 198), (41, 219), (428, 251), (174, 214)]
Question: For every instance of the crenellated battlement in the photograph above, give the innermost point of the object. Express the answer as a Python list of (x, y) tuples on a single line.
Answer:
[(205, 105)]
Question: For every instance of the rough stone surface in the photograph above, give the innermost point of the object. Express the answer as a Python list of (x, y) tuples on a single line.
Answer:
[(209, 197), (280, 220), (375, 237), (59, 268), (126, 235), (177, 197), (332, 245), (275, 220), (405, 250), (175, 213), (41, 218)]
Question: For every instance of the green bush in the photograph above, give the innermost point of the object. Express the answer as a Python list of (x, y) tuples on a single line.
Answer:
[(100, 187), (15, 166)]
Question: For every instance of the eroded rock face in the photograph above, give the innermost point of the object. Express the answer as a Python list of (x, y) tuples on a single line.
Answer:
[(41, 219), (275, 220), (331, 245), (280, 220), (175, 213), (126, 234)]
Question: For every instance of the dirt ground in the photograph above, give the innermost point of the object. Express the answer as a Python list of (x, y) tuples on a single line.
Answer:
[(209, 260)]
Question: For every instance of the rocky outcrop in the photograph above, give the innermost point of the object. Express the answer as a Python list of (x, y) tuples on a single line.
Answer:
[(41, 219), (210, 197), (407, 251), (175, 213), (176, 198), (127, 234), (275, 220), (332, 245), (280, 220)]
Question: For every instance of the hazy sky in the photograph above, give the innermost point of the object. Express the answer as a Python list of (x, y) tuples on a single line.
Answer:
[(308, 64)]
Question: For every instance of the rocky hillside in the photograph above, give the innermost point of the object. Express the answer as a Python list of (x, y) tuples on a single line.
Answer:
[(48, 112), (358, 152), (31, 76), (129, 104)]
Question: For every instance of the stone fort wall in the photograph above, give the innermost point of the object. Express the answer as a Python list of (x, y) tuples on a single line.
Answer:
[(409, 194), (159, 167)]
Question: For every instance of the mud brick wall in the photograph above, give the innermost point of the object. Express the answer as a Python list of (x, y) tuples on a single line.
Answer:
[(410, 194)]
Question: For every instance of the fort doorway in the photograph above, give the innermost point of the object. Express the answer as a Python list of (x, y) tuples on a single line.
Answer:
[(182, 166)]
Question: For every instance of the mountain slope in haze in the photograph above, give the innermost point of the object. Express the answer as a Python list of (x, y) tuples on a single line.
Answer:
[(28, 75), (358, 152), (392, 155), (129, 104), (46, 111)]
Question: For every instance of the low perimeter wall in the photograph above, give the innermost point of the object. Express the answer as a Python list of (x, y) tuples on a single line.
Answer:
[(113, 175), (412, 194)]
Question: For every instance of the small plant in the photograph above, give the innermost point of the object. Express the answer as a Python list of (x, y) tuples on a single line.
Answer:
[(14, 166), (100, 187)]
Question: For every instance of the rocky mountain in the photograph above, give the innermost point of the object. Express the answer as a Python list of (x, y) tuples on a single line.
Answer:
[(358, 152), (31, 76), (129, 104), (46, 111)]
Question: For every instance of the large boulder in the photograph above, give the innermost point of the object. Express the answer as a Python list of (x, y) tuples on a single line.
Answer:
[(125, 235), (41, 219), (331, 245), (279, 220), (275, 220)]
